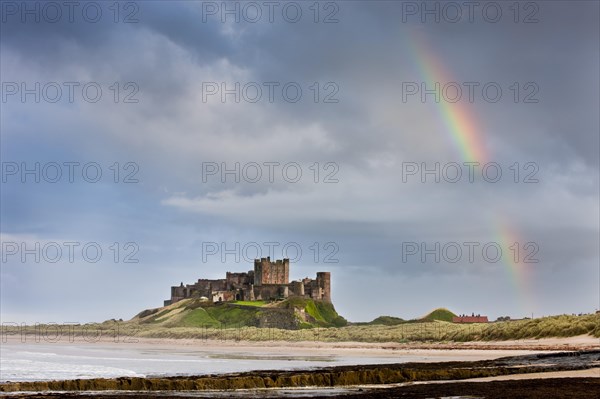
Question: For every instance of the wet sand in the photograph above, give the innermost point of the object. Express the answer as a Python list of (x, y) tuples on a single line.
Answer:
[(558, 388)]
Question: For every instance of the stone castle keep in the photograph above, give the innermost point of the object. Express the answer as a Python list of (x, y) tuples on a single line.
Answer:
[(268, 281)]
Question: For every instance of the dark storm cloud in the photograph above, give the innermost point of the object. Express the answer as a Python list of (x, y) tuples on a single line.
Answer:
[(180, 22), (368, 134)]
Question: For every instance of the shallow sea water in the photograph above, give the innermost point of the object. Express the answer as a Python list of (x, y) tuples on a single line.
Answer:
[(44, 361)]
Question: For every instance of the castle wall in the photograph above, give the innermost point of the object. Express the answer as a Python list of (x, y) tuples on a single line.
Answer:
[(319, 289), (270, 291), (237, 280), (296, 288), (223, 296), (204, 287), (315, 291), (247, 294), (178, 293)]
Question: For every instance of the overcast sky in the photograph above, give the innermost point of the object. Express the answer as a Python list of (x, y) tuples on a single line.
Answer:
[(168, 121)]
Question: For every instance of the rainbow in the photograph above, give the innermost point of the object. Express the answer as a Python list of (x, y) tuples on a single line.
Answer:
[(513, 256), (457, 117), (464, 130)]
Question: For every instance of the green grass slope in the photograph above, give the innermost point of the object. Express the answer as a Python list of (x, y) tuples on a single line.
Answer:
[(198, 317), (251, 303), (288, 314), (320, 314)]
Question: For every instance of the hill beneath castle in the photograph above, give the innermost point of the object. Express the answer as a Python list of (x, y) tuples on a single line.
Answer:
[(290, 314)]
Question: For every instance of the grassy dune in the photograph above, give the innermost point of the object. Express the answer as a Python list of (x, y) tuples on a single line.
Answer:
[(440, 314), (238, 320), (436, 331), (386, 321), (545, 327), (306, 320)]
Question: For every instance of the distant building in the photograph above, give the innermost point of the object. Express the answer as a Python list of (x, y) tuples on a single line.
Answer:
[(470, 319), (268, 281)]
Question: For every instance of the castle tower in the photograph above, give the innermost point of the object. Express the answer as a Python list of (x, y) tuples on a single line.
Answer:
[(267, 272), (324, 283)]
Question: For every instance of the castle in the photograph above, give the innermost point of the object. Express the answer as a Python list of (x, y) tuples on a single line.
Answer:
[(268, 281)]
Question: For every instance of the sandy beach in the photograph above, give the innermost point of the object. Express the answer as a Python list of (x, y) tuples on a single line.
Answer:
[(474, 350), (427, 352), (580, 342)]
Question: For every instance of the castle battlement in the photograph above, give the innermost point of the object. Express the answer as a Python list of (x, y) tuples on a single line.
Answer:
[(268, 281)]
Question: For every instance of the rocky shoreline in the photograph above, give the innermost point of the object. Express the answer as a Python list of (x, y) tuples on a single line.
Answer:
[(338, 376)]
